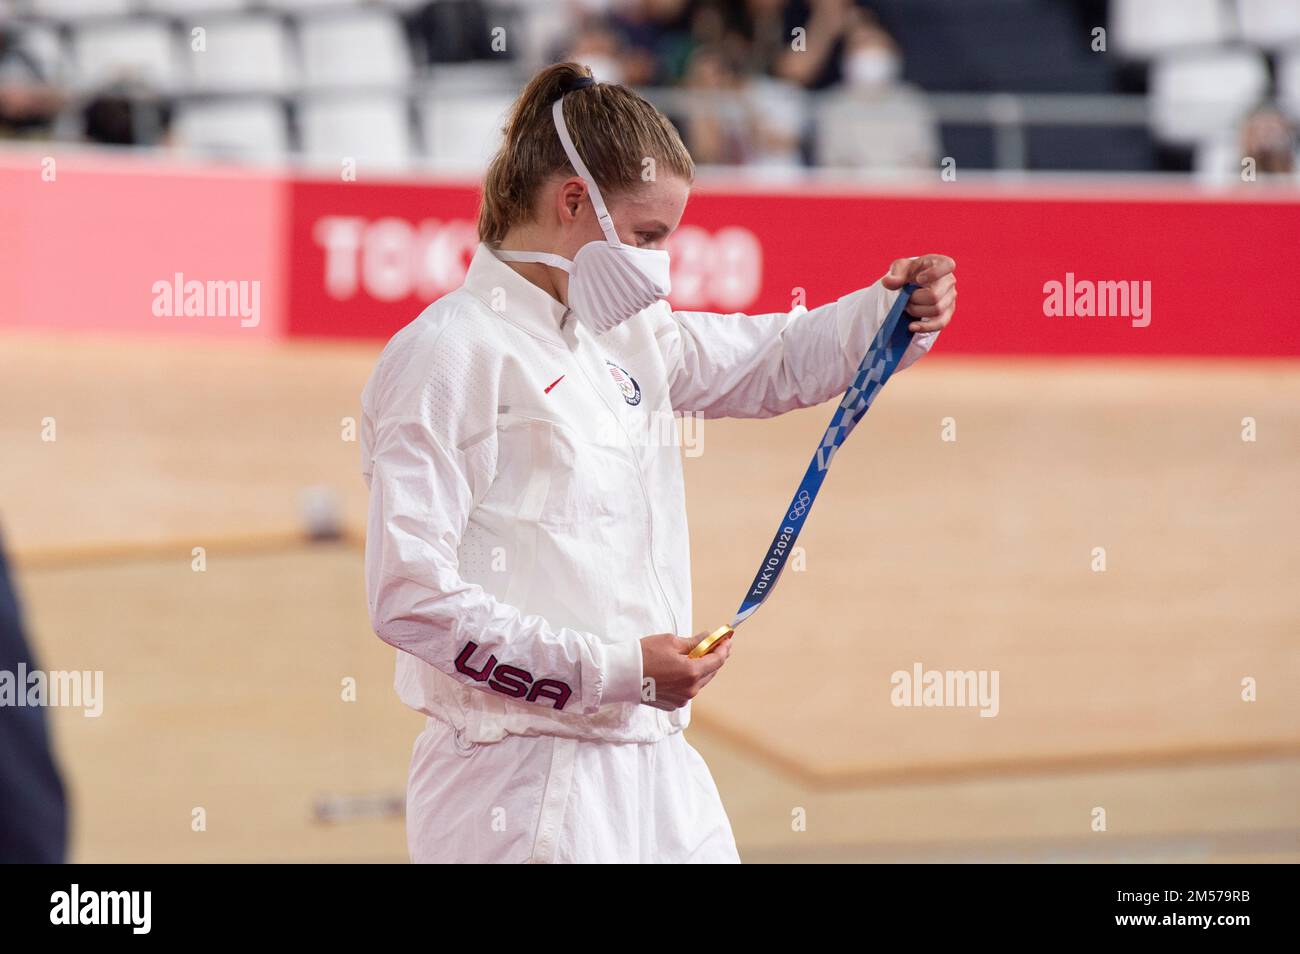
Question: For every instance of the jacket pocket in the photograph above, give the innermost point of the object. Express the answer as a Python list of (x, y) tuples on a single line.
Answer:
[(521, 488), (562, 480), (592, 486)]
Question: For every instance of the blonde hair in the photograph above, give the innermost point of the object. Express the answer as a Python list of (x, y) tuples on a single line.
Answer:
[(614, 130)]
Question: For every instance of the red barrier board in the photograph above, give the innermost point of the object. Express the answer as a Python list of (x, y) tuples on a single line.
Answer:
[(366, 258), (144, 245), (124, 244), (1038, 274)]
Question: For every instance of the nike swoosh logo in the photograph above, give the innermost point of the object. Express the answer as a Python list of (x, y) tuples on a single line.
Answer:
[(553, 384)]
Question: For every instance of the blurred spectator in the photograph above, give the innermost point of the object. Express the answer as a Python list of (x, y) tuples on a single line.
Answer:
[(28, 101), (598, 47), (739, 119), (1265, 136), (757, 82), (718, 127), (457, 31), (126, 115), (757, 30), (656, 40), (825, 23), (723, 26), (781, 122), (872, 120), (1270, 139)]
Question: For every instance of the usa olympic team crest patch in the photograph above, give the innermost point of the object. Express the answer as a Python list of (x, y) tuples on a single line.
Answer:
[(626, 384)]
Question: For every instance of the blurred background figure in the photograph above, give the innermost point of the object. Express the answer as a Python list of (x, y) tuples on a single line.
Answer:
[(1263, 147), (654, 39), (455, 31), (29, 98), (1270, 140), (719, 126), (33, 817), (871, 119), (862, 86), (738, 119), (603, 51), (813, 59), (126, 114)]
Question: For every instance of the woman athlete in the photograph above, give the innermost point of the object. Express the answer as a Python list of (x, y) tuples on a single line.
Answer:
[(527, 546)]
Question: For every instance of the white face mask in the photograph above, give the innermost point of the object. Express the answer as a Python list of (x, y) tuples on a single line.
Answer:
[(605, 69), (609, 282), (871, 68)]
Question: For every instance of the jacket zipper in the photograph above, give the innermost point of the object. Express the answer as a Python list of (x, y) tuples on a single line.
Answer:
[(645, 493)]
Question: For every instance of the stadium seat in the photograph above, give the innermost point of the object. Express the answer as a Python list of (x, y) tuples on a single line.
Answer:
[(1199, 95), (540, 29), (460, 31), (244, 53), (877, 133), (940, 37), (482, 76), (141, 50), (238, 129), (373, 129), (308, 6), (1288, 83), (41, 42), (1217, 160), (79, 9), (1141, 29), (1269, 23), (189, 9), (348, 49), (463, 130)]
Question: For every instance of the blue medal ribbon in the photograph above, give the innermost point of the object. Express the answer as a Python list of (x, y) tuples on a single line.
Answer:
[(879, 364)]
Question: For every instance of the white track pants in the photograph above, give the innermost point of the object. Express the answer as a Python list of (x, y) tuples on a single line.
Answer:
[(545, 799)]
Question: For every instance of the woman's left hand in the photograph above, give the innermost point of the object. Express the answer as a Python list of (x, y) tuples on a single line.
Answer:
[(936, 300)]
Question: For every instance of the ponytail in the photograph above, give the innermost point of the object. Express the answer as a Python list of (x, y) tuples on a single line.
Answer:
[(613, 128)]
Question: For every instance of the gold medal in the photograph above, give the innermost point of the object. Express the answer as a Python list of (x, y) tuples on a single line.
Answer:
[(705, 645)]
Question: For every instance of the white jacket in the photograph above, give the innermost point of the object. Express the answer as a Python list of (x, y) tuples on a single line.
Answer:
[(527, 521)]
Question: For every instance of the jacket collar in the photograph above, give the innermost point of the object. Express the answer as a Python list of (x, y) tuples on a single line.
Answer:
[(514, 297)]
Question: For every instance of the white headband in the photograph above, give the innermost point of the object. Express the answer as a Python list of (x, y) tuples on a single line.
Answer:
[(597, 200)]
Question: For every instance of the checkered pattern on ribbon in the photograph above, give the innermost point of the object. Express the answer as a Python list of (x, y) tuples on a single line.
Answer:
[(879, 363), (874, 371)]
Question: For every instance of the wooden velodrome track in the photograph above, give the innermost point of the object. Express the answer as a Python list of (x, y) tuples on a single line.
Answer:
[(1119, 690)]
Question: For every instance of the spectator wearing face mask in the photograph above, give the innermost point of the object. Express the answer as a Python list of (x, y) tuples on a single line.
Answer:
[(873, 120), (601, 49), (1264, 145)]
